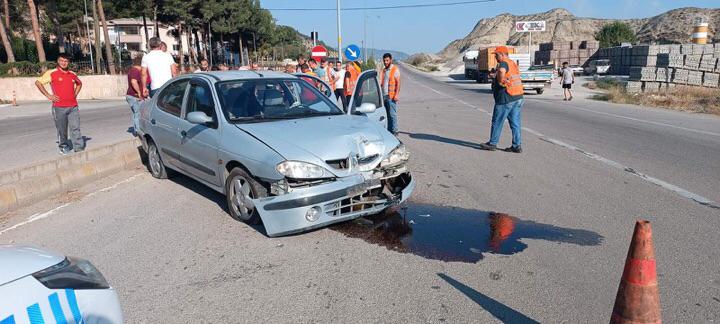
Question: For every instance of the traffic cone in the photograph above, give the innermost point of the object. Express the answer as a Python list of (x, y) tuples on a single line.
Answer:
[(638, 298)]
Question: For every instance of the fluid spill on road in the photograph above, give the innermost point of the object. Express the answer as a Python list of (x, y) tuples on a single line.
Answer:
[(456, 234)]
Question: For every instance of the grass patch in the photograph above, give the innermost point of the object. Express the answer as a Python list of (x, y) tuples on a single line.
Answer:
[(683, 98)]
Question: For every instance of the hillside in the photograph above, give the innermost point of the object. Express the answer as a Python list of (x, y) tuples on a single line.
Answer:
[(674, 26)]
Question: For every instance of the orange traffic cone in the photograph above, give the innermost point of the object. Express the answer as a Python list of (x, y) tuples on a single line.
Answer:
[(638, 299)]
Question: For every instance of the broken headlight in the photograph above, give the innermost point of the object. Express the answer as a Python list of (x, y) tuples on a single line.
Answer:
[(74, 273), (398, 156), (303, 170)]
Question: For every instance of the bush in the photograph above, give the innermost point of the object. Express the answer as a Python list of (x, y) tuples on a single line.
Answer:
[(25, 68)]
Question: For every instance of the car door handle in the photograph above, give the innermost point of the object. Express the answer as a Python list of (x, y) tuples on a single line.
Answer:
[(152, 121), (183, 133)]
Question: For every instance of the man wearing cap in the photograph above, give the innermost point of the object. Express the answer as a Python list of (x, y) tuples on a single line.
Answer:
[(508, 93)]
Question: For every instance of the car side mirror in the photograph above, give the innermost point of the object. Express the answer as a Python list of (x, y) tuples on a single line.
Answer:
[(366, 108), (199, 117)]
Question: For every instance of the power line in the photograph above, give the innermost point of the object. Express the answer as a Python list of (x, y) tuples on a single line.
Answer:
[(456, 3)]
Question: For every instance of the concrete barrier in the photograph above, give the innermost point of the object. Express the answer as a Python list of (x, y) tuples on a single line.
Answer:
[(94, 87), (28, 185)]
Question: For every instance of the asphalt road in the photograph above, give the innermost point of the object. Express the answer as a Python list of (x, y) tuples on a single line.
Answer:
[(175, 255), (27, 132)]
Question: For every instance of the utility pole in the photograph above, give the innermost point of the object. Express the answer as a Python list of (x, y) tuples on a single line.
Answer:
[(338, 33), (210, 46), (87, 27)]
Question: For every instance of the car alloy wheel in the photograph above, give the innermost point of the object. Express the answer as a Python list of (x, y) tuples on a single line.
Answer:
[(241, 195), (155, 163)]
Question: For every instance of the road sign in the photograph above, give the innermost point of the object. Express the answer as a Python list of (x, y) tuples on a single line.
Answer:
[(529, 26), (319, 52), (352, 52)]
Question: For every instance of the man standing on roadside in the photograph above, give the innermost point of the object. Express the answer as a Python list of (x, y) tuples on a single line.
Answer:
[(159, 65), (390, 82), (204, 66), (337, 78), (567, 80), (65, 86), (351, 76), (508, 92), (135, 94)]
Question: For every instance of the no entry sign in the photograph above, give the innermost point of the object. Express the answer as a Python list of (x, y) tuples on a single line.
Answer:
[(319, 52)]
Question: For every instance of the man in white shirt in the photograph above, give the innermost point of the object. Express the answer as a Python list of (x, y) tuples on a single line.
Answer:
[(567, 79), (158, 65), (337, 78)]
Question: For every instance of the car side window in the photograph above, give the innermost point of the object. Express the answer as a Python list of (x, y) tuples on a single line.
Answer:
[(171, 98), (200, 99), (367, 92)]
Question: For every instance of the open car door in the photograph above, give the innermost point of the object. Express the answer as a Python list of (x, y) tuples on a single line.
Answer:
[(366, 95), (320, 85)]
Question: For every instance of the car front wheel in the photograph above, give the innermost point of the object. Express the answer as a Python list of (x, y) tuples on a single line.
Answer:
[(240, 190)]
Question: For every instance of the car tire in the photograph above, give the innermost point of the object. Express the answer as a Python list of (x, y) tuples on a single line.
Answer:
[(239, 181), (156, 166), (540, 91)]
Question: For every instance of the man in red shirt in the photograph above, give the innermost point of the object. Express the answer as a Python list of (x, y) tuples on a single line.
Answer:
[(65, 86)]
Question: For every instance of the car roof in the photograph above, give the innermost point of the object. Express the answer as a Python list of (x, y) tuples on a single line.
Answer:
[(25, 260), (243, 75)]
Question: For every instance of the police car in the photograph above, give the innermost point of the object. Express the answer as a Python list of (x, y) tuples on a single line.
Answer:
[(38, 286)]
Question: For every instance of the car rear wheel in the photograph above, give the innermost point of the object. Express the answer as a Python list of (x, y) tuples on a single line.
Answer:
[(155, 163), (240, 189)]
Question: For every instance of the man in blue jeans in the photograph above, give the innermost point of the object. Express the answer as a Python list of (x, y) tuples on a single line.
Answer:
[(390, 83), (508, 94)]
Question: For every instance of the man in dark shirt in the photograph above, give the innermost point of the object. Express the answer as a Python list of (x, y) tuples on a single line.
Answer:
[(508, 93), (134, 94)]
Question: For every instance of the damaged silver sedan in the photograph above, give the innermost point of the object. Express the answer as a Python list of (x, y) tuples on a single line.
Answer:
[(283, 152)]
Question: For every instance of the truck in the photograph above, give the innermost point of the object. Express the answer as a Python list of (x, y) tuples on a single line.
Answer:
[(480, 68)]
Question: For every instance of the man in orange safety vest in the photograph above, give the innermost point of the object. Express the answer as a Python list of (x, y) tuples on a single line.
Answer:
[(508, 92), (390, 82)]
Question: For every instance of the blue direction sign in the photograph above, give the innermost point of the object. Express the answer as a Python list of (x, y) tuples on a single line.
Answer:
[(352, 52)]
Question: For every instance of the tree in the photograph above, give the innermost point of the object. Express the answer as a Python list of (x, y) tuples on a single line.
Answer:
[(96, 32), (108, 49), (6, 44), (614, 34), (7, 14), (36, 31)]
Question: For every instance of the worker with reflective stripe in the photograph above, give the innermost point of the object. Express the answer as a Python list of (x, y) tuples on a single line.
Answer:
[(390, 82), (508, 93), (351, 75)]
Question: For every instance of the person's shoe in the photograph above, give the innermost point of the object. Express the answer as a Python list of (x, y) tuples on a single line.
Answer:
[(487, 146), (514, 149), (64, 151), (565, 99), (570, 98)]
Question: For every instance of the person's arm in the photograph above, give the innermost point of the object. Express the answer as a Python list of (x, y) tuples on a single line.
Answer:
[(397, 86), (143, 81), (174, 69), (78, 85), (40, 84), (347, 81), (501, 75), (134, 84)]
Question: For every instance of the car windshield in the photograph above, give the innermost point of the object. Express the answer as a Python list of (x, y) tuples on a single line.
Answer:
[(261, 100)]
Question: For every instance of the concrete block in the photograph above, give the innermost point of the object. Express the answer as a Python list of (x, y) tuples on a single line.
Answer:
[(633, 87), (9, 177), (643, 74), (680, 76), (662, 75), (643, 60), (8, 200), (711, 79), (695, 78), (67, 161), (77, 175), (708, 63), (32, 190), (670, 60), (692, 62), (108, 165), (37, 170), (651, 86)]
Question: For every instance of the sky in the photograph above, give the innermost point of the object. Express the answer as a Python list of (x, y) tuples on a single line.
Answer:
[(414, 30)]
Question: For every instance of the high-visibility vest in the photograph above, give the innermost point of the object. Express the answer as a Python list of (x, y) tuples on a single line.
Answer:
[(393, 81), (511, 82), (350, 84)]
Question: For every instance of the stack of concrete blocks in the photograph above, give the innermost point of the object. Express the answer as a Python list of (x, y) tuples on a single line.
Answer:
[(661, 67), (573, 52)]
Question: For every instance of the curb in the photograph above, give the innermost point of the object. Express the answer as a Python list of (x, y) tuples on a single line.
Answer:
[(28, 185)]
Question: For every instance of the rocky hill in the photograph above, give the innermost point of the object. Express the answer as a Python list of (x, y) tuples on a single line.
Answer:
[(674, 26)]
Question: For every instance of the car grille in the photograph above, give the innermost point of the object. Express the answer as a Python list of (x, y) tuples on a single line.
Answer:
[(353, 204)]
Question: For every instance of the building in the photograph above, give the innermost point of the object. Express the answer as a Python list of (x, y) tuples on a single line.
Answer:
[(129, 34)]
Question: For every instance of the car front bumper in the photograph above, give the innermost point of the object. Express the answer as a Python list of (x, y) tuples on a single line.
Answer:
[(343, 199)]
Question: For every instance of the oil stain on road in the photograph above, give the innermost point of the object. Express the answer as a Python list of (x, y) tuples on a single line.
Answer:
[(455, 234)]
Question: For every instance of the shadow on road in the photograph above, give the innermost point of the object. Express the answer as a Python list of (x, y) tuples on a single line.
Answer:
[(458, 76), (479, 90), (494, 307), (441, 139)]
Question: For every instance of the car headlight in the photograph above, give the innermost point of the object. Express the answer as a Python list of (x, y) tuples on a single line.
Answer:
[(398, 155), (303, 170), (74, 273)]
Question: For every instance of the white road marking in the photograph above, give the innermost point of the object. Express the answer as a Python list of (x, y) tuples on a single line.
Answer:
[(649, 122), (669, 186), (39, 216)]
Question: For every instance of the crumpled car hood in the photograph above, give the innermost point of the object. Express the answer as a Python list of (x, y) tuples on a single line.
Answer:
[(319, 139)]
